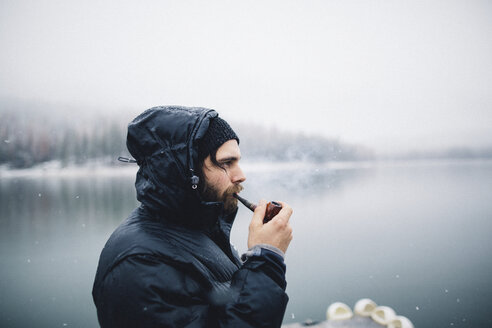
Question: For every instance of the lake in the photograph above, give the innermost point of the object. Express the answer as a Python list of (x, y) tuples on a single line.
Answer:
[(415, 236)]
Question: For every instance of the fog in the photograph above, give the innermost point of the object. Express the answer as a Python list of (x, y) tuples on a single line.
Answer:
[(390, 75), (342, 96)]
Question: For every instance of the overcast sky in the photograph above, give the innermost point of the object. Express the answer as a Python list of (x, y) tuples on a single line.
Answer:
[(386, 74)]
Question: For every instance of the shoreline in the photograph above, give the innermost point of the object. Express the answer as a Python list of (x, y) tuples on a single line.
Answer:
[(55, 169)]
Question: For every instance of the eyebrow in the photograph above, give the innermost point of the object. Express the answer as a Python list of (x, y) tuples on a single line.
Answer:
[(229, 158)]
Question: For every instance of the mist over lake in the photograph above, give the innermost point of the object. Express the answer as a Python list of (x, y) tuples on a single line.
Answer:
[(411, 235), (388, 104)]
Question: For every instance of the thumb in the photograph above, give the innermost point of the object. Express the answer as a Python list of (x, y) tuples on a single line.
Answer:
[(259, 213)]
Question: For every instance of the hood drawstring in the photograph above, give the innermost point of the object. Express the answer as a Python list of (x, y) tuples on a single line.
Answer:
[(127, 160), (194, 180)]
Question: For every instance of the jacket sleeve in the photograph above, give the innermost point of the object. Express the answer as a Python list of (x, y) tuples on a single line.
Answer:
[(258, 297), (144, 291)]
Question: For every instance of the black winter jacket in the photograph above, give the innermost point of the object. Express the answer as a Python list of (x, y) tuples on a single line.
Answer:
[(170, 264)]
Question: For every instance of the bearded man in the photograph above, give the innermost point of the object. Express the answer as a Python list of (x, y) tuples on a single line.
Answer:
[(171, 264)]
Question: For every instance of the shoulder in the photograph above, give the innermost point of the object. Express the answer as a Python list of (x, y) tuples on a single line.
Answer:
[(143, 271), (145, 291), (144, 239)]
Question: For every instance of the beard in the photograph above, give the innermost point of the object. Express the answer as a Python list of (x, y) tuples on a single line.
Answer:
[(211, 194)]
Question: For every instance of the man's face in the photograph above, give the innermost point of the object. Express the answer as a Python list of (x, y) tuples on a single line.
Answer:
[(222, 181)]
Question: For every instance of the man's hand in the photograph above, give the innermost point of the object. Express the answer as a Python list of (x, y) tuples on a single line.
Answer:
[(276, 232)]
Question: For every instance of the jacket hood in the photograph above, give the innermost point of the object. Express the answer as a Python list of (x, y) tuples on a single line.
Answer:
[(164, 142)]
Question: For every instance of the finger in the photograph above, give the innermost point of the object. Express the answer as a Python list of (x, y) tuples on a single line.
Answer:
[(259, 213), (285, 212)]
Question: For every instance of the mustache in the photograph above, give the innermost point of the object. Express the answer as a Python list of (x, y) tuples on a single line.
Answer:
[(233, 189)]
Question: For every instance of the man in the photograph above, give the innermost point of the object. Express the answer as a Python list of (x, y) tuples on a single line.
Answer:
[(171, 264)]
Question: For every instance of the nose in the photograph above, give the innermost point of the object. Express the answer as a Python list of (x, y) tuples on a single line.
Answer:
[(238, 176)]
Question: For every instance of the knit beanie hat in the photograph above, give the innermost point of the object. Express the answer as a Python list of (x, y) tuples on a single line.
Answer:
[(219, 131)]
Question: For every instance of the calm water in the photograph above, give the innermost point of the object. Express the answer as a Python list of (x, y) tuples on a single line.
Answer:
[(414, 237)]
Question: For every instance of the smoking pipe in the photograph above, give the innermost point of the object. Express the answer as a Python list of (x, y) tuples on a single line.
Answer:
[(272, 207)]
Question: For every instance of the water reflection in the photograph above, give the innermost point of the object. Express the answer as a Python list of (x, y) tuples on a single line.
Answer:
[(415, 238), (52, 232)]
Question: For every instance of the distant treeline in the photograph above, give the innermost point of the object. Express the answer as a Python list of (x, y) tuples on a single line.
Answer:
[(31, 137), (450, 153), (271, 144)]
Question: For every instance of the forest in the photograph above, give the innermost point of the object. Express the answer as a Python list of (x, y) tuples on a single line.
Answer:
[(32, 137)]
